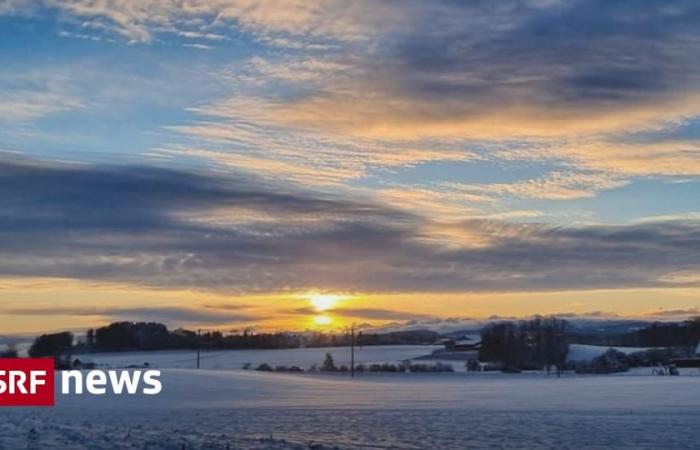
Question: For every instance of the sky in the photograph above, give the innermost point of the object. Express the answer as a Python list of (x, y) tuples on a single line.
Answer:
[(310, 164)]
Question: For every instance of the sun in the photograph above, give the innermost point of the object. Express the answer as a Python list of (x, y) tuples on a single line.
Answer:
[(323, 306), (324, 302)]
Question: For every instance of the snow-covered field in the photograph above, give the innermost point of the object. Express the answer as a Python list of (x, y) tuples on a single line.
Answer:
[(304, 357), (237, 409), (235, 359), (581, 352), (248, 409)]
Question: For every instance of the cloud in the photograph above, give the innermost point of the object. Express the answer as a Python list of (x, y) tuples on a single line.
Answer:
[(364, 313), (29, 96), (142, 21), (553, 186), (167, 228), (363, 86), (379, 314), (571, 82), (587, 315), (197, 35), (674, 313), (22, 106), (235, 140), (380, 103), (199, 46), (225, 307), (168, 314), (515, 68), (619, 157)]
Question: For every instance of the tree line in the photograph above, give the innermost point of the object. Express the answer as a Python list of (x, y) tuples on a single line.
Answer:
[(137, 336), (528, 344), (657, 334)]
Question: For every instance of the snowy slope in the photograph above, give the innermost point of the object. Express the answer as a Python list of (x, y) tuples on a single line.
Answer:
[(580, 352), (235, 359), (302, 357), (255, 410)]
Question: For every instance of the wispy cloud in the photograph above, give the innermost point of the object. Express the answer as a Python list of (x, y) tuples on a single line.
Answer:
[(28, 105), (277, 19), (675, 313), (553, 186)]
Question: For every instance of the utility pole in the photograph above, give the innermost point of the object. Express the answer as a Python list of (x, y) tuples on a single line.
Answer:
[(199, 333), (352, 350)]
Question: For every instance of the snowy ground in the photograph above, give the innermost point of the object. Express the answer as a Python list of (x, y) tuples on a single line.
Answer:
[(235, 359), (306, 357), (213, 409), (581, 352), (256, 410)]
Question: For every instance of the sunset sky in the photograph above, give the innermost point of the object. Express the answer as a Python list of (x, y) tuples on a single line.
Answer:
[(309, 164)]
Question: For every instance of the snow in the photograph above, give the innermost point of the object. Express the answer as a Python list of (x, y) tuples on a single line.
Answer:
[(235, 359), (249, 409), (306, 357), (224, 408), (581, 352)]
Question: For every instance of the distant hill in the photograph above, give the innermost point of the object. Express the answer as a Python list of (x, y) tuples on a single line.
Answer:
[(576, 325)]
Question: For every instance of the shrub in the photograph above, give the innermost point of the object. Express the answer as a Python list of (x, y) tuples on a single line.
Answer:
[(264, 367), (384, 367), (437, 367), (442, 367), (387, 367), (9, 352), (472, 365), (375, 368)]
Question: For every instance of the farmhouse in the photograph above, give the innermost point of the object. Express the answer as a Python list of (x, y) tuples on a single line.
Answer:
[(693, 361)]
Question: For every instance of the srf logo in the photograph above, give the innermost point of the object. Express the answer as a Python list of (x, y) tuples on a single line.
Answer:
[(27, 382)]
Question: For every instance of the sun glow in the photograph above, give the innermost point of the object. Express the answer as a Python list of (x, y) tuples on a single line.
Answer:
[(322, 320), (324, 302)]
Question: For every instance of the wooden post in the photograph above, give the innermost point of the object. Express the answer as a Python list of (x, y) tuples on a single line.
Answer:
[(352, 350), (199, 333)]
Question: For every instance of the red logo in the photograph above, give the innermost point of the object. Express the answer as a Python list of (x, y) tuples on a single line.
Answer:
[(27, 382)]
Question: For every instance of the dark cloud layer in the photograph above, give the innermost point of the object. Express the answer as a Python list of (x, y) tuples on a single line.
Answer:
[(511, 68), (170, 314), (571, 51), (152, 227)]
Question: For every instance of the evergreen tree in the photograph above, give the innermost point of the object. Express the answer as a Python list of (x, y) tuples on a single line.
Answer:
[(328, 364)]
